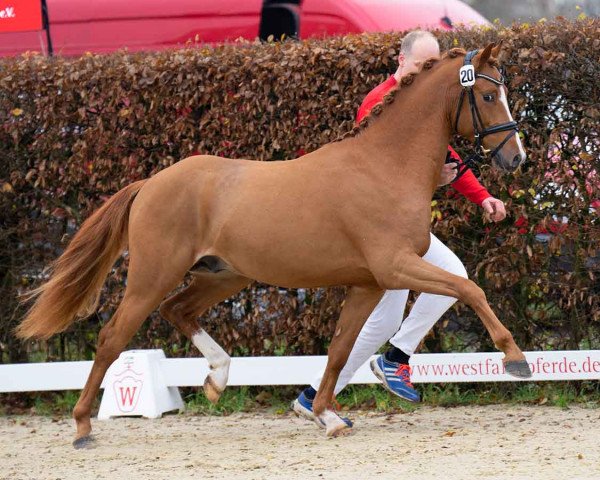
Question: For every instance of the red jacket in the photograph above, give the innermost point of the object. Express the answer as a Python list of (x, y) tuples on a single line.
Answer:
[(467, 185)]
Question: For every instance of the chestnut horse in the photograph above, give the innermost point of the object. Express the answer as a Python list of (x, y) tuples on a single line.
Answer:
[(361, 218)]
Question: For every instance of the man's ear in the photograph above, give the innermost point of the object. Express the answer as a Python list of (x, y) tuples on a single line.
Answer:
[(401, 59), (484, 56)]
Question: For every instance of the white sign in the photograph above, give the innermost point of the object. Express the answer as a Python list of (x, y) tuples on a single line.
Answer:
[(488, 367), (135, 385), (467, 75)]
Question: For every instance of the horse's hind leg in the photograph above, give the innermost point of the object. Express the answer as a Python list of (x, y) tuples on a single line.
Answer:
[(183, 310), (147, 285)]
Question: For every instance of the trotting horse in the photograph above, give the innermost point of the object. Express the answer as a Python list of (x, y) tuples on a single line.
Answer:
[(364, 222)]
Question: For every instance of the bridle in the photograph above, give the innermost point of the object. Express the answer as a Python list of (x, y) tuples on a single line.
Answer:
[(467, 77)]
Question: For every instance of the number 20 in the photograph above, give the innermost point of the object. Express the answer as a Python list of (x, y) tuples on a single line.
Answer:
[(467, 76)]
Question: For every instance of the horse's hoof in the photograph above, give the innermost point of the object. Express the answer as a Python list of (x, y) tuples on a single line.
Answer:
[(84, 442), (211, 391), (341, 432), (518, 369), (335, 426)]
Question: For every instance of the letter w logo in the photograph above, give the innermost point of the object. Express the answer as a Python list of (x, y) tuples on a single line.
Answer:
[(127, 393)]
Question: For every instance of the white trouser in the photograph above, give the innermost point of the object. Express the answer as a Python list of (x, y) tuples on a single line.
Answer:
[(384, 322)]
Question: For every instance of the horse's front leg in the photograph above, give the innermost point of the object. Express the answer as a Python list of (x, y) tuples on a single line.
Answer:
[(358, 305), (409, 271)]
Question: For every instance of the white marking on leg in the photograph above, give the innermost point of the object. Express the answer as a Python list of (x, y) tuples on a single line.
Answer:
[(218, 359), (332, 422), (505, 103)]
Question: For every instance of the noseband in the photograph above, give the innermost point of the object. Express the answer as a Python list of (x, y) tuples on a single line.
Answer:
[(467, 78)]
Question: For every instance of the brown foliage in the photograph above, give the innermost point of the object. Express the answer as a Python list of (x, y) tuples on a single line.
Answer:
[(74, 131), (77, 277)]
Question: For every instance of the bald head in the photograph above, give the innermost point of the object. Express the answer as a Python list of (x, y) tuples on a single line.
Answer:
[(417, 46)]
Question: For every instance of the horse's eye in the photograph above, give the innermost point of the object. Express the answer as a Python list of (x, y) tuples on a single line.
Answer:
[(488, 97)]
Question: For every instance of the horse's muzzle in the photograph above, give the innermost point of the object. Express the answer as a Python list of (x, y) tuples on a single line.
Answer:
[(511, 163)]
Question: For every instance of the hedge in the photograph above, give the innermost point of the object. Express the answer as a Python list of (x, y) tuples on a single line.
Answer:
[(74, 131)]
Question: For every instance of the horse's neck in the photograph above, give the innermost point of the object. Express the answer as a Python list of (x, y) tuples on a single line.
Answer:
[(411, 134)]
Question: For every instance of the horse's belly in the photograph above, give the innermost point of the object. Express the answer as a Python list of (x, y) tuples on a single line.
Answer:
[(291, 256)]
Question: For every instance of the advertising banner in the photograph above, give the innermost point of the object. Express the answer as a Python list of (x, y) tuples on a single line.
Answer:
[(20, 16)]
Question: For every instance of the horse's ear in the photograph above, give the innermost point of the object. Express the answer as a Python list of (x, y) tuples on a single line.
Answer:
[(497, 49), (484, 56)]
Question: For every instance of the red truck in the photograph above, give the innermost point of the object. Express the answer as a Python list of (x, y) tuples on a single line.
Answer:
[(77, 26)]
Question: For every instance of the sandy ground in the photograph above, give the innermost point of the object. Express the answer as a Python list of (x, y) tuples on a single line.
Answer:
[(504, 442)]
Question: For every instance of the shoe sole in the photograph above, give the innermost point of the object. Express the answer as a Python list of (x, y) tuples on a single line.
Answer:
[(380, 375)]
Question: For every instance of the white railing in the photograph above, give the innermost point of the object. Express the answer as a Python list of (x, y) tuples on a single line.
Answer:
[(427, 368)]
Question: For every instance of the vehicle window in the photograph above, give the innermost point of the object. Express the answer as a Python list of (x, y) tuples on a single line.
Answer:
[(281, 19)]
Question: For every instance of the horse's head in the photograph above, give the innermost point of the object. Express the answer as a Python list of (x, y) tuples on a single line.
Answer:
[(482, 113)]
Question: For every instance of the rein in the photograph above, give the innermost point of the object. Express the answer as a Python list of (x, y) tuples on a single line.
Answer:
[(467, 78)]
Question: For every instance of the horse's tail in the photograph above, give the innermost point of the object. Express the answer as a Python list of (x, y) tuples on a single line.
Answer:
[(77, 276)]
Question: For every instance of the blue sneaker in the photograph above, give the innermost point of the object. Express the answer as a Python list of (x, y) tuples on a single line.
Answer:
[(395, 378), (303, 407)]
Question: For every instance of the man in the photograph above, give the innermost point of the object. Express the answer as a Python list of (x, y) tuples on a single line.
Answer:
[(384, 323)]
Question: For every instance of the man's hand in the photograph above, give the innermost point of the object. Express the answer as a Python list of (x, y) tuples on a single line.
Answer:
[(494, 209), (448, 174)]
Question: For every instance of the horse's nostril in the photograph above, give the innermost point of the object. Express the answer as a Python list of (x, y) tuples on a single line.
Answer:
[(516, 161)]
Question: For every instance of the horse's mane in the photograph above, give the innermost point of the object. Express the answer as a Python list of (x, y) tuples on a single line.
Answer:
[(404, 81)]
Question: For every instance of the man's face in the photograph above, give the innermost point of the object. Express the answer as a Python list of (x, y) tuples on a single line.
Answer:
[(422, 50)]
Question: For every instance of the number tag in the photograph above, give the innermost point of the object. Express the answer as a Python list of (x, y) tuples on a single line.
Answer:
[(467, 75)]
